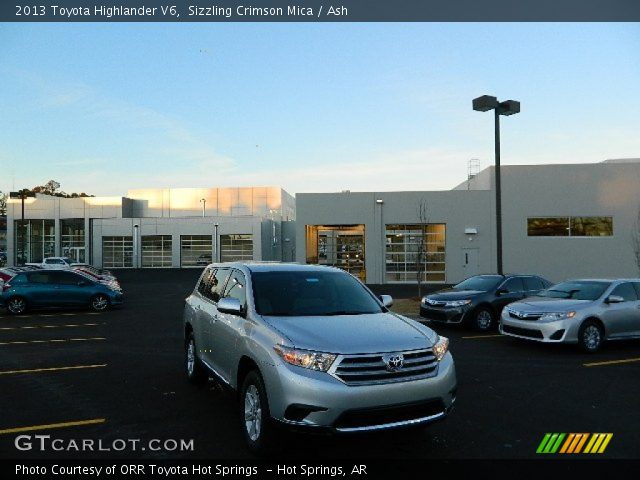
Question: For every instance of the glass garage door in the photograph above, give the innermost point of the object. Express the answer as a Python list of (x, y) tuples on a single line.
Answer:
[(156, 251), (196, 250), (117, 252), (234, 248), (415, 248)]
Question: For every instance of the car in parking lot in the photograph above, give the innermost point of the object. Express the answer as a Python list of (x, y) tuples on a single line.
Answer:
[(479, 300), (311, 347), (56, 288), (585, 312)]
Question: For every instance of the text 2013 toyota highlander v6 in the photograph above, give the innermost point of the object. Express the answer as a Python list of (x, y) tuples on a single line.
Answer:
[(310, 346)]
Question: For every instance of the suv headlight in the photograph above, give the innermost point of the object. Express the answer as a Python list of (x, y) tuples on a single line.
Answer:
[(305, 358), (441, 348), (457, 303), (552, 317)]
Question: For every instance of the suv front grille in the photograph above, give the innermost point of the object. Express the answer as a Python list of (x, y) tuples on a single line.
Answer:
[(372, 368)]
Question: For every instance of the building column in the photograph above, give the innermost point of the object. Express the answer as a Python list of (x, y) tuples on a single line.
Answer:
[(56, 231)]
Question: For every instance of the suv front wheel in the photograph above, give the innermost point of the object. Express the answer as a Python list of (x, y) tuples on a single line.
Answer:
[(194, 369), (254, 413)]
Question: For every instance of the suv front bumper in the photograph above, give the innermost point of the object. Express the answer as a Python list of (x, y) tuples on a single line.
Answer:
[(324, 402)]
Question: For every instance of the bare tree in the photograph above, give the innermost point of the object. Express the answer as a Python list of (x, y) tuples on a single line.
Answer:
[(635, 240), (3, 204), (421, 255)]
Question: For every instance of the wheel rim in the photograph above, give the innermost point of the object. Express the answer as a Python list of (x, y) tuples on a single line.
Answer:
[(252, 412), (17, 305), (100, 302), (591, 337), (191, 357), (483, 319)]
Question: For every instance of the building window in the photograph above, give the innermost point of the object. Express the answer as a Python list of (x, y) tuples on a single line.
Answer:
[(196, 250), (570, 227), (235, 248), (340, 246), (117, 252), (156, 250), (72, 239), (35, 240), (415, 249)]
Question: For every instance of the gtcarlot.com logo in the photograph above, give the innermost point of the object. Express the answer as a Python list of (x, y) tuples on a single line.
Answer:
[(572, 443)]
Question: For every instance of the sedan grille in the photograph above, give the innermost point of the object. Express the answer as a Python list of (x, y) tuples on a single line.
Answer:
[(386, 368), (524, 315)]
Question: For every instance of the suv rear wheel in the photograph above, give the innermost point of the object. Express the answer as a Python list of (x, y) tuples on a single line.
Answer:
[(254, 413), (194, 369)]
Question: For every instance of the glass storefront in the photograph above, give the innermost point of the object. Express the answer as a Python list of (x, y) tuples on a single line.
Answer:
[(570, 227), (34, 240), (341, 246), (72, 239), (236, 248), (156, 251), (117, 252), (415, 249), (196, 250)]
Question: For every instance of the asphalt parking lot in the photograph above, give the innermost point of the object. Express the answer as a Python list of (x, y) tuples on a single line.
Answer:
[(74, 374)]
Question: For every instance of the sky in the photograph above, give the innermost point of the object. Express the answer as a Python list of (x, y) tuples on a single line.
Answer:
[(104, 108)]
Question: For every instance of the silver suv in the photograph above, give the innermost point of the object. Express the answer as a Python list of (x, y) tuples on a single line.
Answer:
[(310, 346), (586, 312)]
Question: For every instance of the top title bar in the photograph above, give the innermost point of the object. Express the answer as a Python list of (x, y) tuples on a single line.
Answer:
[(320, 11)]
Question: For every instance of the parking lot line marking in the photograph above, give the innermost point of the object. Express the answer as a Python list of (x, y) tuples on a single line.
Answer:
[(23, 342), (473, 337), (70, 325), (611, 362), (51, 369), (50, 426)]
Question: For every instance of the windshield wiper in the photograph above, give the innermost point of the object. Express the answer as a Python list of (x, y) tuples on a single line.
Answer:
[(345, 312)]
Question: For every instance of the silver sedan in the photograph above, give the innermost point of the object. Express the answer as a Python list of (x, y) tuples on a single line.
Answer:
[(585, 312)]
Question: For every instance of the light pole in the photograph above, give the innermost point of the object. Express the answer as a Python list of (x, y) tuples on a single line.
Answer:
[(203, 201), (215, 235), (508, 107)]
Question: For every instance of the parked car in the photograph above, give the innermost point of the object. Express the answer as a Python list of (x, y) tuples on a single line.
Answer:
[(56, 288), (95, 273), (110, 281), (53, 263), (8, 273), (479, 300), (311, 346), (92, 269), (586, 312), (204, 259)]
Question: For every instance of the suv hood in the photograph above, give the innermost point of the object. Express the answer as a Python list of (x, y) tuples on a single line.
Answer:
[(352, 334), (544, 304), (451, 294)]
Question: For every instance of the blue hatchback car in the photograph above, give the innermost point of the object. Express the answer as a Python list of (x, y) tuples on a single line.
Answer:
[(56, 288)]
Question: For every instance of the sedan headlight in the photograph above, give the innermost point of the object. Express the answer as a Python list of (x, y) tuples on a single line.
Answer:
[(457, 303), (441, 348), (305, 358), (552, 317)]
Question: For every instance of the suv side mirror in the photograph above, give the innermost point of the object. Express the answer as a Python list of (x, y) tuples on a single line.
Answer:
[(387, 300), (230, 305), (614, 299), (501, 291)]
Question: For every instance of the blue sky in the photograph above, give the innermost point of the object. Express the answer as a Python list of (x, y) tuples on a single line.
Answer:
[(312, 107)]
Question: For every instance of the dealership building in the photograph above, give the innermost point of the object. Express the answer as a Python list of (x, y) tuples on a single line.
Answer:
[(559, 221)]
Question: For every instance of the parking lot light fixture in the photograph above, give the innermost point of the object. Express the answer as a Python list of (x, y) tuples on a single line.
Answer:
[(508, 107)]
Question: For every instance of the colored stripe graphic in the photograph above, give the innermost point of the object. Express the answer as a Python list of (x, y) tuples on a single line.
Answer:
[(574, 443)]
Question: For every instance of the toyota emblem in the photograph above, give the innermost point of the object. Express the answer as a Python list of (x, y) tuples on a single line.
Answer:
[(394, 362)]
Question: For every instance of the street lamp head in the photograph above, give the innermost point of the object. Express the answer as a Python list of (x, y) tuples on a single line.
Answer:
[(509, 107), (485, 103)]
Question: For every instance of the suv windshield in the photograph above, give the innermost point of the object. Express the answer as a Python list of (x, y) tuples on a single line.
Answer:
[(482, 283), (576, 290), (311, 293)]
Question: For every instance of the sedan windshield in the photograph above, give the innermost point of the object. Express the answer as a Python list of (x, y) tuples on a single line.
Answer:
[(311, 293), (576, 290), (482, 283)]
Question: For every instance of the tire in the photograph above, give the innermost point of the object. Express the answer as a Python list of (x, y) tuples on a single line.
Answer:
[(193, 367), (255, 419), (590, 336), (99, 302), (483, 319), (16, 305)]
